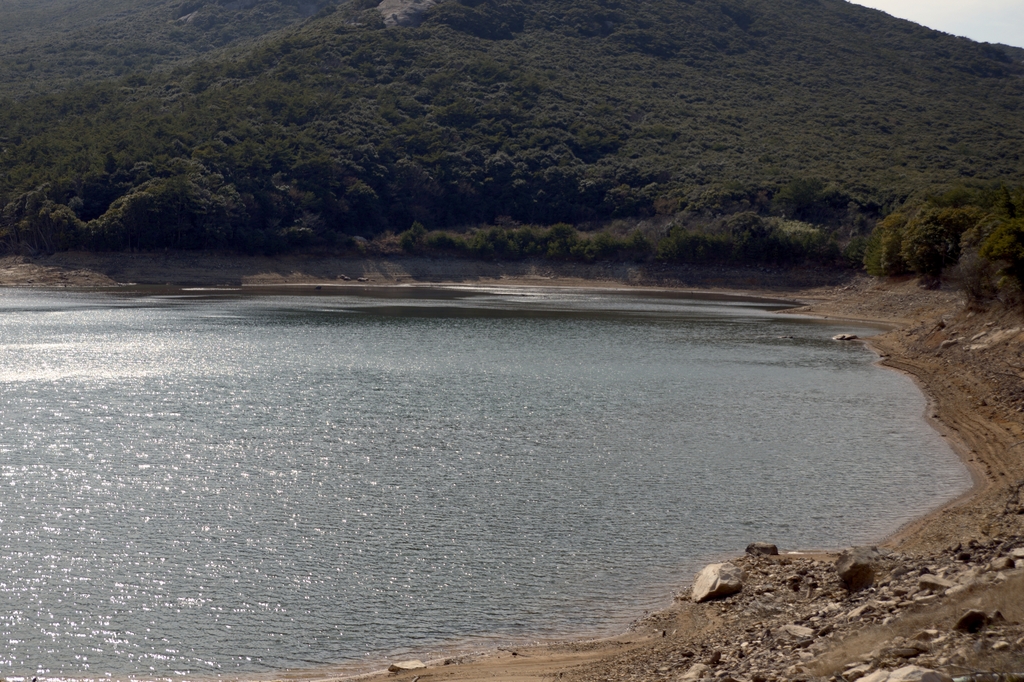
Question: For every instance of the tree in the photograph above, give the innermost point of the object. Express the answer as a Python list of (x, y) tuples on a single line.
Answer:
[(1006, 244), (931, 239)]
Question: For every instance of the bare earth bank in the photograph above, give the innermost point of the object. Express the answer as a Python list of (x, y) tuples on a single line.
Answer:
[(793, 619)]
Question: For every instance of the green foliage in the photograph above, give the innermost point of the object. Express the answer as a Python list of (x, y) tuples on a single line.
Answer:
[(684, 246), (32, 222), (883, 254), (749, 239), (855, 251), (1006, 245), (978, 229), (568, 111), (931, 239), (412, 240), (190, 208), (927, 237), (51, 45)]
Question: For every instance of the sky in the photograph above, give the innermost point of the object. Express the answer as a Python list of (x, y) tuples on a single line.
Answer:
[(987, 21)]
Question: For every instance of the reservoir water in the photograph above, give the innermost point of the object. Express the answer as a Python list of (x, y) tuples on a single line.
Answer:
[(228, 483)]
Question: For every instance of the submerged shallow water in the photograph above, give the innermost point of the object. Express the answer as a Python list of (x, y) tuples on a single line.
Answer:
[(200, 483)]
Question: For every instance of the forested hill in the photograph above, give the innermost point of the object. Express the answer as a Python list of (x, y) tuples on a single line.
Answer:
[(51, 45), (499, 110)]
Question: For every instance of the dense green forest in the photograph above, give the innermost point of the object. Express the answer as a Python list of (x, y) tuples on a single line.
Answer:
[(51, 45), (738, 130)]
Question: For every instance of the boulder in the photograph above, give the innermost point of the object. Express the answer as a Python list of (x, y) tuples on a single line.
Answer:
[(1003, 563), (762, 549), (856, 567), (844, 337), (717, 580), (402, 666), (973, 621)]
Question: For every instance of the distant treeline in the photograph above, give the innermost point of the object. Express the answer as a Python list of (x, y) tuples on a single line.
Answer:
[(745, 238)]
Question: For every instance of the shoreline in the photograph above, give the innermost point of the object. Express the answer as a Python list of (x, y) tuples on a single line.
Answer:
[(909, 346)]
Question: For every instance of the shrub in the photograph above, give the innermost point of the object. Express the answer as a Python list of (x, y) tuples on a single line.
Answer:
[(883, 254), (412, 240), (1006, 244), (931, 239)]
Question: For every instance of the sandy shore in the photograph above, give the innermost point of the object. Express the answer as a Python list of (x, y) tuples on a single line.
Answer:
[(967, 362)]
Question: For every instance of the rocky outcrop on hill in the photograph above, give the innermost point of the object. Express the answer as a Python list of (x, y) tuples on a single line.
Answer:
[(404, 12)]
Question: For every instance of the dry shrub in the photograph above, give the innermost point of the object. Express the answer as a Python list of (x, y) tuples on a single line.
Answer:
[(1006, 598)]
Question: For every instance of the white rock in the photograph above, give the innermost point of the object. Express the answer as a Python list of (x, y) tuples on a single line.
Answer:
[(934, 583), (915, 673), (877, 676), (1017, 553), (860, 611), (717, 580), (856, 672), (696, 672), (404, 12), (956, 589), (798, 631), (402, 666)]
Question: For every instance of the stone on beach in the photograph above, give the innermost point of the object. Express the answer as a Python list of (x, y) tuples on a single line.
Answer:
[(844, 337), (934, 583), (717, 580), (762, 549), (856, 567), (915, 673), (856, 672), (877, 676), (798, 631), (696, 672), (973, 621), (908, 673), (402, 666)]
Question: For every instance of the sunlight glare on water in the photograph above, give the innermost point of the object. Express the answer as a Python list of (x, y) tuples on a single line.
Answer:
[(200, 483)]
